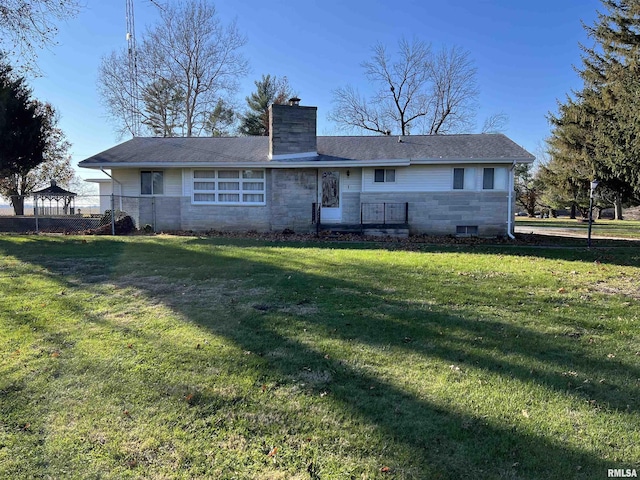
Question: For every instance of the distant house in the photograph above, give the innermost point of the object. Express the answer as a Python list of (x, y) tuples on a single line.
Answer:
[(293, 179)]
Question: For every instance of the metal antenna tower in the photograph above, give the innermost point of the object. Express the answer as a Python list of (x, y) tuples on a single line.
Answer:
[(134, 112)]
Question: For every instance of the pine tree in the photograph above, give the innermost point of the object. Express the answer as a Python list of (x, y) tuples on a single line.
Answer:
[(163, 101), (24, 127), (220, 120), (255, 120), (597, 130)]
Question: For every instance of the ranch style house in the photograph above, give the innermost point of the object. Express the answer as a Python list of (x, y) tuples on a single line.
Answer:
[(296, 180)]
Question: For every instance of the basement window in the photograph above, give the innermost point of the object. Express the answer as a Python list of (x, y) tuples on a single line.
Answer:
[(467, 230)]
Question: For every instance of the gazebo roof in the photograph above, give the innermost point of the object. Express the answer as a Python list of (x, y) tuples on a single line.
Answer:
[(54, 191)]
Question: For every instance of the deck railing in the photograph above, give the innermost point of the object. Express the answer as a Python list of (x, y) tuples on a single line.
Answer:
[(372, 213), (384, 213)]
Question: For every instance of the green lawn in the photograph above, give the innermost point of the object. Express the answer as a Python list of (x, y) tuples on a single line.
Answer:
[(601, 228), (159, 357)]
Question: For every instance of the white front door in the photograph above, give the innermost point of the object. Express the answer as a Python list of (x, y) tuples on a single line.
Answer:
[(330, 200)]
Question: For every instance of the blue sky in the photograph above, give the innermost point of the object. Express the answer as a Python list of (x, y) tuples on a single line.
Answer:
[(524, 53)]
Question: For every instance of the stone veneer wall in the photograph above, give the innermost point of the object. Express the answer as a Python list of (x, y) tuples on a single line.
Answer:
[(290, 195), (439, 213), (293, 130), (162, 213), (350, 207), (232, 218), (293, 193)]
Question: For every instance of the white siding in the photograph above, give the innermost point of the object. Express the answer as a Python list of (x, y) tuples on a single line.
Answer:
[(351, 183), (130, 181), (172, 183), (418, 178), (187, 182), (127, 182), (433, 178)]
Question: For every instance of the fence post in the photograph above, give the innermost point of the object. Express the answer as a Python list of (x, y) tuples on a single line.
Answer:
[(113, 216), (35, 212)]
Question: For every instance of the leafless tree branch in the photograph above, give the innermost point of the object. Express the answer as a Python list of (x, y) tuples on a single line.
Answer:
[(413, 89), (27, 25)]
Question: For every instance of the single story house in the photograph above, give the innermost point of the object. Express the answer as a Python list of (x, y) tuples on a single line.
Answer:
[(294, 179)]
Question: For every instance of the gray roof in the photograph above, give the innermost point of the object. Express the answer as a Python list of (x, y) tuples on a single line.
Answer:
[(55, 191), (248, 150)]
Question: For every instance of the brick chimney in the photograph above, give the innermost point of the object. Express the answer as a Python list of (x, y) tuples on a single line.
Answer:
[(292, 131)]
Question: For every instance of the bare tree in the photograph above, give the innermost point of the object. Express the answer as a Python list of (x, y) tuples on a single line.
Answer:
[(26, 25), (416, 89), (116, 93), (495, 123), (189, 48)]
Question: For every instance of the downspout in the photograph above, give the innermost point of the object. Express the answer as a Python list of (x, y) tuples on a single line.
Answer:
[(113, 180), (510, 208)]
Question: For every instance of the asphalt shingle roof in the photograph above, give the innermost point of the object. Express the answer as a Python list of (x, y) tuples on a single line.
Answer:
[(206, 150)]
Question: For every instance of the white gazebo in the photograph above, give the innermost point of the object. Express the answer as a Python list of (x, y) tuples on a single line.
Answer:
[(53, 201)]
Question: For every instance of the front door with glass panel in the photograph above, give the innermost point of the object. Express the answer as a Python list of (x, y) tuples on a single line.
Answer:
[(330, 201)]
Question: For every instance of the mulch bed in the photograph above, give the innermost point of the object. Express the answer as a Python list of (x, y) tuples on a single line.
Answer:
[(416, 240)]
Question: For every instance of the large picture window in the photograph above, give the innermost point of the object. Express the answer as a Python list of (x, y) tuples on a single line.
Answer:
[(151, 183), (229, 186)]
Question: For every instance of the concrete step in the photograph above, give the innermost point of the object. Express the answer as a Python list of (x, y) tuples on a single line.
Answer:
[(377, 230)]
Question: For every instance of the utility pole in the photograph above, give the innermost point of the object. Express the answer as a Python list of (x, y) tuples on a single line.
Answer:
[(134, 113)]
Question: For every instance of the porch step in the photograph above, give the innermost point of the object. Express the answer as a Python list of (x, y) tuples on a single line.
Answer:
[(399, 232), (375, 230)]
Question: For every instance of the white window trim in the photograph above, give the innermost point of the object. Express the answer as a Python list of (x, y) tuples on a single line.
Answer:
[(395, 173), (240, 192), (152, 194)]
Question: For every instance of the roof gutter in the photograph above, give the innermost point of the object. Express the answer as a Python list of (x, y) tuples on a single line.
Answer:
[(254, 165), (397, 162)]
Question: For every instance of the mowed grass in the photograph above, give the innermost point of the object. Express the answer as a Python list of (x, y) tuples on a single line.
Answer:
[(160, 357)]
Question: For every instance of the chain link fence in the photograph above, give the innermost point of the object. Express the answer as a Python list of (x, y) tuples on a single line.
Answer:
[(82, 214)]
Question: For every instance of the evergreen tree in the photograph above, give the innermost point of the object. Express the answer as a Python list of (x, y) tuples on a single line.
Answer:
[(24, 126), (220, 120), (163, 101), (595, 133), (255, 120)]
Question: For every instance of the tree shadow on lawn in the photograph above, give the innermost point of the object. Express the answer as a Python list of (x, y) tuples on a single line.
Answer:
[(446, 442), (605, 251)]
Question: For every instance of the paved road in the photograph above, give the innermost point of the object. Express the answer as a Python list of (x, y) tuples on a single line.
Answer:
[(566, 232)]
